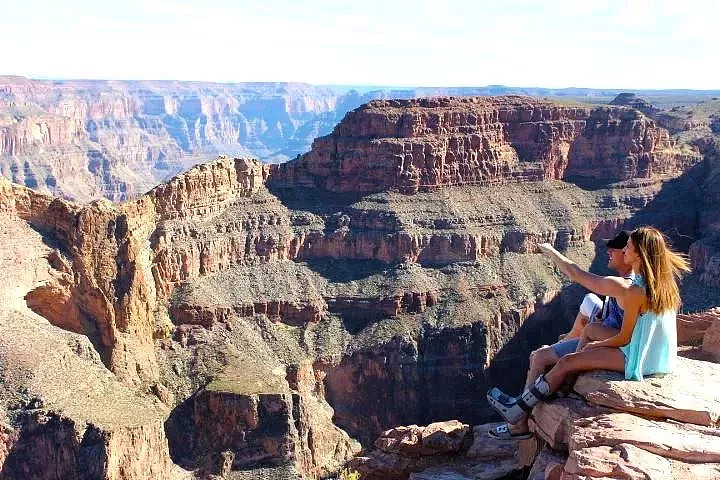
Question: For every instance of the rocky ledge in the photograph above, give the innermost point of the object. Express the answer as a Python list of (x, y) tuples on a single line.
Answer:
[(604, 427)]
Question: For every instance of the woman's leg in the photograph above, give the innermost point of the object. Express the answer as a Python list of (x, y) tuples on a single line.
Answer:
[(596, 331), (595, 359)]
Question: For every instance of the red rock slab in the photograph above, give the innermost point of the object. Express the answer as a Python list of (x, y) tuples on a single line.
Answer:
[(627, 461), (528, 450), (624, 461), (684, 395), (551, 421), (486, 447), (669, 439), (711, 340), (695, 471), (436, 438), (691, 327)]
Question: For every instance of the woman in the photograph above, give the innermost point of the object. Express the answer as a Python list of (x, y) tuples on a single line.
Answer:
[(647, 341)]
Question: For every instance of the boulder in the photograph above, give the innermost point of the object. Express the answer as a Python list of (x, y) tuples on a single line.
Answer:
[(683, 395), (552, 420), (673, 440), (436, 438)]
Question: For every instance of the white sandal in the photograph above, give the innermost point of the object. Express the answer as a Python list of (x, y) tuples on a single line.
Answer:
[(502, 432)]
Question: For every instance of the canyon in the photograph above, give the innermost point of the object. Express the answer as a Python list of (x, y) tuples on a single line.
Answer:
[(88, 139), (254, 320)]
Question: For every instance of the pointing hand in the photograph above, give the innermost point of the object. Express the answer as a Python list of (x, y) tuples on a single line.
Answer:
[(545, 248)]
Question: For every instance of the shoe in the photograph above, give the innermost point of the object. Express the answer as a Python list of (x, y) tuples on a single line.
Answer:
[(514, 409), (506, 406), (502, 432)]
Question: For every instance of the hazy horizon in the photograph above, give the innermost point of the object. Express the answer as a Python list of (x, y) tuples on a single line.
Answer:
[(363, 88), (630, 45)]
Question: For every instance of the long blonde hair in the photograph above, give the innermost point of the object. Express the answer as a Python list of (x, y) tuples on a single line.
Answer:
[(660, 267)]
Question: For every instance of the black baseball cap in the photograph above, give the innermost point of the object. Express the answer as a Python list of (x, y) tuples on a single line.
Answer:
[(619, 241)]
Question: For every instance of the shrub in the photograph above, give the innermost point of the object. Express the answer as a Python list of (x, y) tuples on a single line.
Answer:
[(346, 474)]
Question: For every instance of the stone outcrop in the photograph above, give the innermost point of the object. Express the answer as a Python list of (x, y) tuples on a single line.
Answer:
[(601, 442), (97, 285), (423, 144), (253, 418), (439, 450), (631, 100), (680, 397), (63, 414), (436, 438)]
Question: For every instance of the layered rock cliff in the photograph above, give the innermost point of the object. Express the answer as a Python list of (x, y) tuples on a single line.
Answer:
[(276, 322), (429, 143)]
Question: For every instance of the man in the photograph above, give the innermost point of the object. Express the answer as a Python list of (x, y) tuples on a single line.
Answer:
[(596, 320)]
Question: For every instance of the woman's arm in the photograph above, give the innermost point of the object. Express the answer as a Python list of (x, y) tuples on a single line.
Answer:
[(610, 286), (633, 302)]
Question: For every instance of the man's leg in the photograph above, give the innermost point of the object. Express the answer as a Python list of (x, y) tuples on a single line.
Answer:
[(540, 360), (516, 409)]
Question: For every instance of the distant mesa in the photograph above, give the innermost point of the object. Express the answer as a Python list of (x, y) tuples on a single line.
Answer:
[(632, 100), (421, 144)]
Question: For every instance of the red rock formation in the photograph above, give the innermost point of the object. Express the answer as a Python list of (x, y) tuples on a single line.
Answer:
[(90, 139), (107, 297), (419, 144), (578, 439), (265, 424)]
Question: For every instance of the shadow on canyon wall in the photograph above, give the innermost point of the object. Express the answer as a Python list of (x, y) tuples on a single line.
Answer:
[(674, 210), (442, 374)]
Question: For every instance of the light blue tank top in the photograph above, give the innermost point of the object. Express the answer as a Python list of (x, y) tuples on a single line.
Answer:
[(653, 346)]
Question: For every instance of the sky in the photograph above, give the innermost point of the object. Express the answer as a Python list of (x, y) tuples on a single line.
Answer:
[(579, 43)]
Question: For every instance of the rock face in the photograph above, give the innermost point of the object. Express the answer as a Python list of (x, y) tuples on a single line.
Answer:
[(63, 414), (254, 419), (430, 143)]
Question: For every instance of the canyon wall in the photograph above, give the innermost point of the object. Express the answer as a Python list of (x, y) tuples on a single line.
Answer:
[(430, 143), (264, 313)]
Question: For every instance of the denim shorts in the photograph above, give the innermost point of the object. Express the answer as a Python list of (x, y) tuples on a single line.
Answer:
[(565, 347)]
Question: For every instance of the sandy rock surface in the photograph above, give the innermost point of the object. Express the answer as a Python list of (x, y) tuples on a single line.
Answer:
[(686, 395)]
